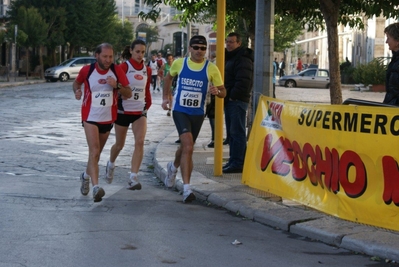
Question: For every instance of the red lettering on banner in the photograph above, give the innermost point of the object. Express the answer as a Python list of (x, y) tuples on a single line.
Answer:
[(323, 166), (276, 110), (391, 180), (358, 186), (298, 168), (309, 155), (283, 157), (269, 150), (313, 163), (333, 184)]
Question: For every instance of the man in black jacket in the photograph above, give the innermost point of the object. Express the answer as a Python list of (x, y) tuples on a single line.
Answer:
[(238, 75)]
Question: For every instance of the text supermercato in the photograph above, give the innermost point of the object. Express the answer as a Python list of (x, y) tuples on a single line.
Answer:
[(350, 122)]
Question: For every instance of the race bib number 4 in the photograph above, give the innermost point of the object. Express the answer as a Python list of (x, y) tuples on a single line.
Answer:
[(190, 99), (103, 99)]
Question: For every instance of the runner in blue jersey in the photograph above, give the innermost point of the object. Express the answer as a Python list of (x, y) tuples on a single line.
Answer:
[(196, 76)]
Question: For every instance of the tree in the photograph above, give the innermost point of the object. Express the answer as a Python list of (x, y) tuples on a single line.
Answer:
[(52, 11), (286, 31), (123, 35), (152, 35), (90, 23), (333, 12), (31, 23), (314, 14), (79, 23)]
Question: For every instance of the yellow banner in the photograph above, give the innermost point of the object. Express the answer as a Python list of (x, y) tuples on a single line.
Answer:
[(342, 160)]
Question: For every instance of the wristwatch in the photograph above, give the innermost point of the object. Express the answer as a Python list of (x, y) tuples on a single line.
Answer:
[(118, 86)]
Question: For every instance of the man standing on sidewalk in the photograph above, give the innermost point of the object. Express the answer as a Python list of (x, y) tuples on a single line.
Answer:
[(238, 74), (195, 76), (102, 82)]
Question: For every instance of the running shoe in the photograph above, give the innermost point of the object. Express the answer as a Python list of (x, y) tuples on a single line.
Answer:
[(109, 173), (170, 178), (133, 184), (98, 193), (168, 113), (85, 187), (188, 196)]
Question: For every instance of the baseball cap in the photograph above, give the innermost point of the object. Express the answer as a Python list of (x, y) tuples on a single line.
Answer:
[(198, 39)]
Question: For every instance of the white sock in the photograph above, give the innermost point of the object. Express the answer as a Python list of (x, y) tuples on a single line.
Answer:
[(133, 176), (111, 164), (173, 168), (95, 186), (186, 187), (85, 175)]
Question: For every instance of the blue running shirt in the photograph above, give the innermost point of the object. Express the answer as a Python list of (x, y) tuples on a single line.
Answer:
[(192, 86)]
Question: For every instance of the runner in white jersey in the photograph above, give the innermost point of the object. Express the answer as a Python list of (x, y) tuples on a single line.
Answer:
[(132, 111), (153, 64), (102, 82), (194, 75)]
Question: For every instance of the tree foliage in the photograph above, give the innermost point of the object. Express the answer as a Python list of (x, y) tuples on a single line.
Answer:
[(33, 27), (75, 23), (152, 35), (286, 31), (51, 11), (122, 35), (315, 14)]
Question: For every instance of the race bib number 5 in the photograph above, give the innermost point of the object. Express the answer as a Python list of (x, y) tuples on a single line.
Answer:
[(103, 99), (190, 99)]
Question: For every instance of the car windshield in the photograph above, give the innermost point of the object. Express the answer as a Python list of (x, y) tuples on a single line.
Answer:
[(66, 62)]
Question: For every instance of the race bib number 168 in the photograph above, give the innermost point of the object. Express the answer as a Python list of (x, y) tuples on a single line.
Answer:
[(190, 99)]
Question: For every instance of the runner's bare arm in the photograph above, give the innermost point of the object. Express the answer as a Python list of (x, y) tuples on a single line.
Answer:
[(76, 87), (125, 91)]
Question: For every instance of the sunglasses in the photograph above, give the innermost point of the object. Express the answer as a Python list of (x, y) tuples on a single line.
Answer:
[(203, 48)]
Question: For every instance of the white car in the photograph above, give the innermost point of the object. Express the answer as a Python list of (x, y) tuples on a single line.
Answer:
[(309, 78), (68, 69)]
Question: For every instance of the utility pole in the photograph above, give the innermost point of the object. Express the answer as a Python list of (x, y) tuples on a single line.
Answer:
[(264, 47)]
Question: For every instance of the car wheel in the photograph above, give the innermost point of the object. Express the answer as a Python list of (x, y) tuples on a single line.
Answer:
[(328, 86), (290, 83), (64, 77)]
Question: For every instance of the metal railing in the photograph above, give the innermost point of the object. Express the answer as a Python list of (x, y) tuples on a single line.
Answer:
[(360, 102)]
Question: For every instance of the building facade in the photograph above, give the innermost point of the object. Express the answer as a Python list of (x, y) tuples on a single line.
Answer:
[(171, 33), (359, 46)]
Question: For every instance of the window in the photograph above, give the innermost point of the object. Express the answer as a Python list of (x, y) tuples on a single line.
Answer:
[(310, 73), (323, 73)]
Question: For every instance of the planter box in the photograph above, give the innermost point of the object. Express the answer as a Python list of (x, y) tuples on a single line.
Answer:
[(378, 88)]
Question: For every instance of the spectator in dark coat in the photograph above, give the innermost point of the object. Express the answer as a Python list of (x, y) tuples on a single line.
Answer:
[(238, 81), (392, 75)]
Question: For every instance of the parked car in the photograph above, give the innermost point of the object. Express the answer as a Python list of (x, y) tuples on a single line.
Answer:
[(68, 69), (309, 78)]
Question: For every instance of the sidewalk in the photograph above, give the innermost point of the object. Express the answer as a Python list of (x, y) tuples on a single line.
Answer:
[(228, 192), (18, 81)]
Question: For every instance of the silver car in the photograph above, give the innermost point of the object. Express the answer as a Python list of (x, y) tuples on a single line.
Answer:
[(68, 69), (309, 78)]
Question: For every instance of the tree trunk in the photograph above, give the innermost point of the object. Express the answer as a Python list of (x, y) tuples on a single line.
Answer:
[(41, 62), (27, 62), (330, 10)]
